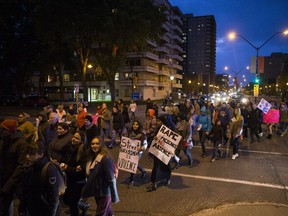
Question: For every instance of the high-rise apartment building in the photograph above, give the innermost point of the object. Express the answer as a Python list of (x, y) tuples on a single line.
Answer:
[(156, 72), (199, 45)]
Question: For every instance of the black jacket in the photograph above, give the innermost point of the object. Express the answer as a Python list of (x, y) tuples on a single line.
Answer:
[(11, 161), (41, 192), (118, 121)]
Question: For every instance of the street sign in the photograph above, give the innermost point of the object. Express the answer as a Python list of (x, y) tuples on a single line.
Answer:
[(256, 90)]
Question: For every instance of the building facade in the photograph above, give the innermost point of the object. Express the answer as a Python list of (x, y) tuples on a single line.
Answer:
[(157, 72), (199, 45)]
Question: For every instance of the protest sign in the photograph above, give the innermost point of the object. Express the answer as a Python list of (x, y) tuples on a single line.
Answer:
[(165, 145), (264, 105), (128, 155)]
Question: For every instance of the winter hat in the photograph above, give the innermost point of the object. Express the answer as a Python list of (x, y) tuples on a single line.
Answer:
[(89, 118), (9, 124)]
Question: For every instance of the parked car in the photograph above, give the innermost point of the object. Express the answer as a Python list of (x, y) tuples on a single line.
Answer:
[(35, 101), (6, 100)]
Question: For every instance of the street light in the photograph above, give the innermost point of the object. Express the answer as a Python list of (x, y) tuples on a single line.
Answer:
[(171, 79), (236, 74), (90, 74), (233, 35)]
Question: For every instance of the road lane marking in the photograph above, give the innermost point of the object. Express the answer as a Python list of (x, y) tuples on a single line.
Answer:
[(251, 183)]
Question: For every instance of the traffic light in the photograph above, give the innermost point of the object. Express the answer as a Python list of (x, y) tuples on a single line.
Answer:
[(257, 80)]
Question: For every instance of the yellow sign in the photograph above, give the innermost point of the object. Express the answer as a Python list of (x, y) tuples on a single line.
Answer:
[(256, 90)]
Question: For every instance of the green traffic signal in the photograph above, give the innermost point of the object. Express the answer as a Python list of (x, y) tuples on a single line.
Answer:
[(257, 80)]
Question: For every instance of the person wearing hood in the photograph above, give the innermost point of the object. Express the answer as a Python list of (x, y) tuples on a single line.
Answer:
[(118, 125), (224, 116), (136, 133), (41, 124), (25, 127), (12, 146), (236, 129), (204, 128), (283, 118)]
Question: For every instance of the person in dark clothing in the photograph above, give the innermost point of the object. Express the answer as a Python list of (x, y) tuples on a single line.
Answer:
[(12, 145), (58, 146), (245, 113), (253, 124), (42, 124), (118, 125), (75, 171), (155, 107), (51, 129), (149, 105), (136, 133), (41, 191), (89, 129), (217, 136), (158, 165), (225, 117)]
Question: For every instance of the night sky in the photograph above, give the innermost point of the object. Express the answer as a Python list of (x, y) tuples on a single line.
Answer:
[(255, 20)]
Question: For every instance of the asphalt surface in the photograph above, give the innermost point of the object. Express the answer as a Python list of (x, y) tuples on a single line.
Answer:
[(256, 183)]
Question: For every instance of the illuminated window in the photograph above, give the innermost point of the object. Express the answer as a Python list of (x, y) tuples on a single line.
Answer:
[(66, 77)]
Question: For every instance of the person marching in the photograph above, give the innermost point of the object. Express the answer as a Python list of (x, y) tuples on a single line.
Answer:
[(217, 135), (136, 133)]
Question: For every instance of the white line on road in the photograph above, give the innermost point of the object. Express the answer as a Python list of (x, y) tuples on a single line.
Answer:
[(251, 183)]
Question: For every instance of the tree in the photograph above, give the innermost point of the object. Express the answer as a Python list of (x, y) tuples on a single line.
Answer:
[(105, 29)]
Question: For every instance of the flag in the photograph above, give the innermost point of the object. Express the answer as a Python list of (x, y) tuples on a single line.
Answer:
[(261, 64)]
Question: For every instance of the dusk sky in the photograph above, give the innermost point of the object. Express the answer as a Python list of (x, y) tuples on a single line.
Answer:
[(253, 19)]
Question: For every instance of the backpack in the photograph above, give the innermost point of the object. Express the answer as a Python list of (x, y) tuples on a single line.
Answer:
[(60, 175)]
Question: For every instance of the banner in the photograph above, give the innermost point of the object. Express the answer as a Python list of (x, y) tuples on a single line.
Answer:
[(253, 65), (264, 105), (261, 64), (272, 116), (164, 147), (128, 156)]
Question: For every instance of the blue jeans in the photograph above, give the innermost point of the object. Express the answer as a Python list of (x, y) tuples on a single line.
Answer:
[(283, 126), (186, 152), (235, 144)]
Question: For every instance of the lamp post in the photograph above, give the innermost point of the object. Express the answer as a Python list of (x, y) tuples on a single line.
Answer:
[(90, 74), (171, 80), (233, 35), (236, 74)]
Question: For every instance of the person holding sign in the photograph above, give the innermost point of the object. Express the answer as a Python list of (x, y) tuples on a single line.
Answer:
[(157, 163), (136, 133)]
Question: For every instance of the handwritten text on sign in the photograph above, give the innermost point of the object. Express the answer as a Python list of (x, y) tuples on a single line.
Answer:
[(165, 145), (128, 155)]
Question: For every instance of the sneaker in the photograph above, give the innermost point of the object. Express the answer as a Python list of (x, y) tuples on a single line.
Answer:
[(282, 134), (260, 134), (167, 182), (152, 187), (236, 154), (130, 185), (233, 157), (213, 160)]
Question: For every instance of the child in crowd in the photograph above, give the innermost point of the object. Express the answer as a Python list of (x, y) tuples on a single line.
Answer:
[(217, 135)]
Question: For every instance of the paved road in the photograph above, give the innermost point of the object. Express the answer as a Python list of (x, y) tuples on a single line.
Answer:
[(256, 183)]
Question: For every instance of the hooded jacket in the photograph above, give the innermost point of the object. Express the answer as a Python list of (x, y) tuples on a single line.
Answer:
[(236, 125), (205, 120)]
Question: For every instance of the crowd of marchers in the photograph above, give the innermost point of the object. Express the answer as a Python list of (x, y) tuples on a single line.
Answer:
[(78, 144)]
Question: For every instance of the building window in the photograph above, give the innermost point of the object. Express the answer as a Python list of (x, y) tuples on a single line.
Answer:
[(66, 78)]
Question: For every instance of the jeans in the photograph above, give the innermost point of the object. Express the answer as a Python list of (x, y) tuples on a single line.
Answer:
[(283, 126), (203, 137), (235, 144), (216, 151), (186, 152)]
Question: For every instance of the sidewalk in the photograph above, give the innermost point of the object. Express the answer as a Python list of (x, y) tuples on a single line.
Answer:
[(247, 209)]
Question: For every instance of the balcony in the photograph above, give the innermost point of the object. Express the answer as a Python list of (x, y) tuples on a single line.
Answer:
[(162, 49), (164, 73), (175, 56), (176, 18), (176, 85), (139, 69), (142, 55), (163, 61), (177, 28), (176, 66)]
